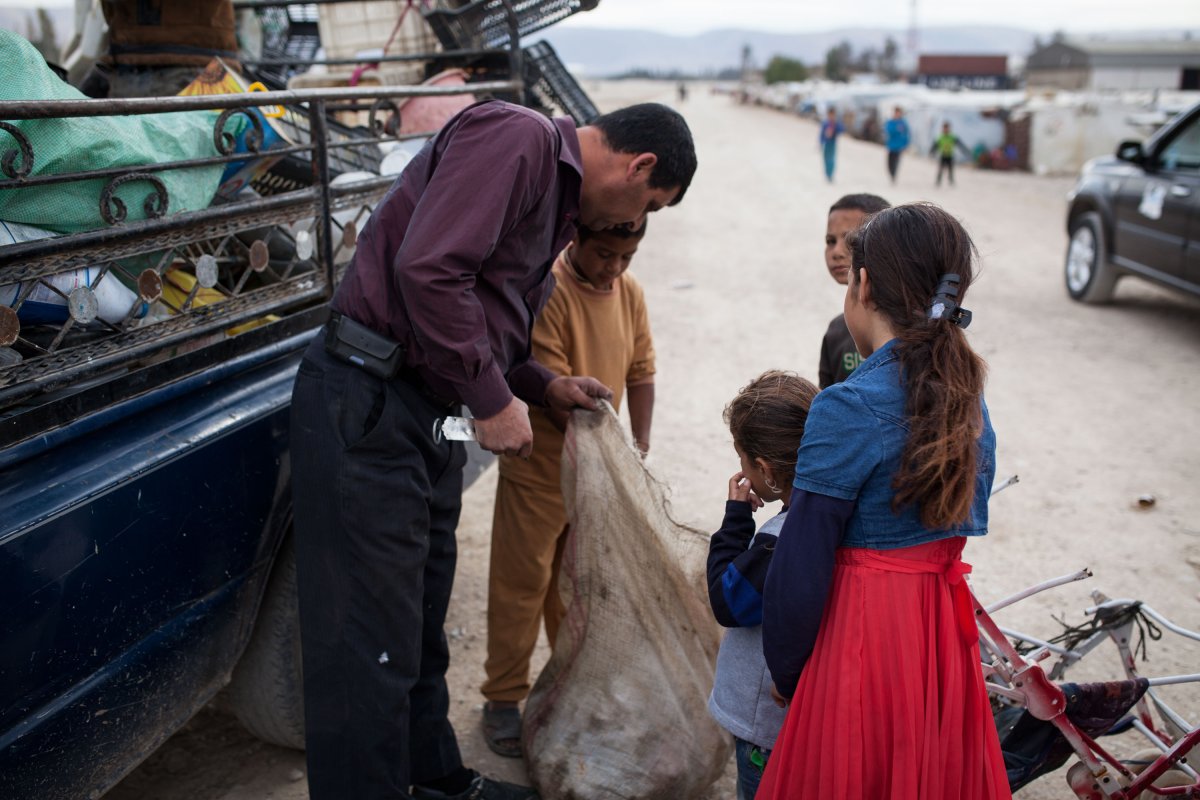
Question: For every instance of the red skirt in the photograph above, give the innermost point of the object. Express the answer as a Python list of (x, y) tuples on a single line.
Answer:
[(892, 704)]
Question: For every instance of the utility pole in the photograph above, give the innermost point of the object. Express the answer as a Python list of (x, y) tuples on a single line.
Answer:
[(747, 69), (913, 36)]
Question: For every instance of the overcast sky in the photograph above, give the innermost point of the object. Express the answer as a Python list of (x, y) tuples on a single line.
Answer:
[(685, 17)]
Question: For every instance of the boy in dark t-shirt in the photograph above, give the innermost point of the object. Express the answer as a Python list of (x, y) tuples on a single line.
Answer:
[(839, 356)]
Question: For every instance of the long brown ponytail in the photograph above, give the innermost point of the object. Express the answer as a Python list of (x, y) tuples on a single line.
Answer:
[(906, 250)]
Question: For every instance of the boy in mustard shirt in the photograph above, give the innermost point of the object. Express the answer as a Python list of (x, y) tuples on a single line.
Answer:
[(594, 323)]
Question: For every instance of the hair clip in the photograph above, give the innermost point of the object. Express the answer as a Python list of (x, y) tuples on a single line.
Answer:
[(945, 304)]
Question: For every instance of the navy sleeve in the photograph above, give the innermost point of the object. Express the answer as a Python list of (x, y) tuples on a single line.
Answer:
[(798, 582), (737, 568)]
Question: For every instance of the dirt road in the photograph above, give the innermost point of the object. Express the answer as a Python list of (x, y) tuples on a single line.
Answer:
[(1092, 406)]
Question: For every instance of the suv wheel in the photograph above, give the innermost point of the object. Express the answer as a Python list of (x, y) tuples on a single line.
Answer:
[(266, 691), (1090, 278)]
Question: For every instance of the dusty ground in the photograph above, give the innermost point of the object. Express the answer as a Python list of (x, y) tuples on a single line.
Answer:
[(1093, 407)]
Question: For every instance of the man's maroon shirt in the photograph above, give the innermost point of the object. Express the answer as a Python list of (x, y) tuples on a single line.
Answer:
[(455, 262)]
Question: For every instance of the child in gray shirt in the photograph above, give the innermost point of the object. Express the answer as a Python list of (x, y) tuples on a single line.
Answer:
[(767, 420)]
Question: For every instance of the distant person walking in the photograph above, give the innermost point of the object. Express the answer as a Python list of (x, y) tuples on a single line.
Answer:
[(896, 137), (830, 130), (944, 146)]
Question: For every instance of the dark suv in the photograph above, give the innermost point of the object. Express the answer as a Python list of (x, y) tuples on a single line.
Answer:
[(1138, 213)]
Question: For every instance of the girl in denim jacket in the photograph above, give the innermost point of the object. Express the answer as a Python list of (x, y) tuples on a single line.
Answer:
[(868, 627)]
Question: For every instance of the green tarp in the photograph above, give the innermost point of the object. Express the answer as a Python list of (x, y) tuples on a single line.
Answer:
[(89, 143)]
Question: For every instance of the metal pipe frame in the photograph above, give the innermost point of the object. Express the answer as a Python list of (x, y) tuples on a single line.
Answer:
[(516, 58), (1082, 574), (27, 260), (321, 180), (1053, 648), (251, 4), (34, 260), (1170, 679), (347, 62), (1170, 759), (1162, 746), (142, 342), (1095, 758), (1169, 715), (67, 177), (45, 109), (1149, 612), (1041, 698)]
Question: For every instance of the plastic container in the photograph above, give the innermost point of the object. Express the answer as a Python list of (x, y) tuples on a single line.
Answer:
[(484, 23), (83, 293), (429, 114), (399, 154), (395, 162), (350, 214), (351, 30), (217, 78), (389, 74)]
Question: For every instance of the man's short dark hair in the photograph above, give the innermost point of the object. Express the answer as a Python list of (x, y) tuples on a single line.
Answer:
[(627, 231), (866, 203), (658, 129)]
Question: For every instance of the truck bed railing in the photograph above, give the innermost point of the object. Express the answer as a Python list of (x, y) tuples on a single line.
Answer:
[(264, 256)]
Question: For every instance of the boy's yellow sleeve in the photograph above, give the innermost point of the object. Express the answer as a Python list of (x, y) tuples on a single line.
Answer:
[(641, 369), (551, 335)]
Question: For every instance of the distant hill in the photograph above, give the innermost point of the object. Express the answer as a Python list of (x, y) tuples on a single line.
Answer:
[(600, 52)]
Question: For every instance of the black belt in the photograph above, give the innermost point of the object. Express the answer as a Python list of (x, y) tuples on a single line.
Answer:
[(354, 343)]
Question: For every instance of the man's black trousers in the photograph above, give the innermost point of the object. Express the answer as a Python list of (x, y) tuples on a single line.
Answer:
[(376, 505)]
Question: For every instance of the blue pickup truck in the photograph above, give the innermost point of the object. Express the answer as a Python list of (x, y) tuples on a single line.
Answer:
[(146, 368), (145, 511)]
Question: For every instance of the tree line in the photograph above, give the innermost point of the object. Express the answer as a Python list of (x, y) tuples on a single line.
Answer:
[(841, 62)]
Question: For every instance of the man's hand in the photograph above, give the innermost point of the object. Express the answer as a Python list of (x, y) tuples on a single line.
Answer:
[(740, 490), (507, 433), (779, 699), (565, 393)]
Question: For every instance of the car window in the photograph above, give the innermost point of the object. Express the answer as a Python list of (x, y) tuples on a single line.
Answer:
[(1183, 151)]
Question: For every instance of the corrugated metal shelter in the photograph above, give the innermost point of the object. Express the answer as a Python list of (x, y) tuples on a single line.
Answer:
[(1115, 65)]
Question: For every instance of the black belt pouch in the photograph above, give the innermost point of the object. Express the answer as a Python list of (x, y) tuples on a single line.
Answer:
[(357, 344)]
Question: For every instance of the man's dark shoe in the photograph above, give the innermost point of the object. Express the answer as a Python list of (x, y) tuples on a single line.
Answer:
[(481, 788)]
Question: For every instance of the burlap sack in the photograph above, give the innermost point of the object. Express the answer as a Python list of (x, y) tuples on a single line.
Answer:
[(621, 710)]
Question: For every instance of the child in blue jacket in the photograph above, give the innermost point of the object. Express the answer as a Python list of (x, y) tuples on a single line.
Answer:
[(831, 128), (896, 137)]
